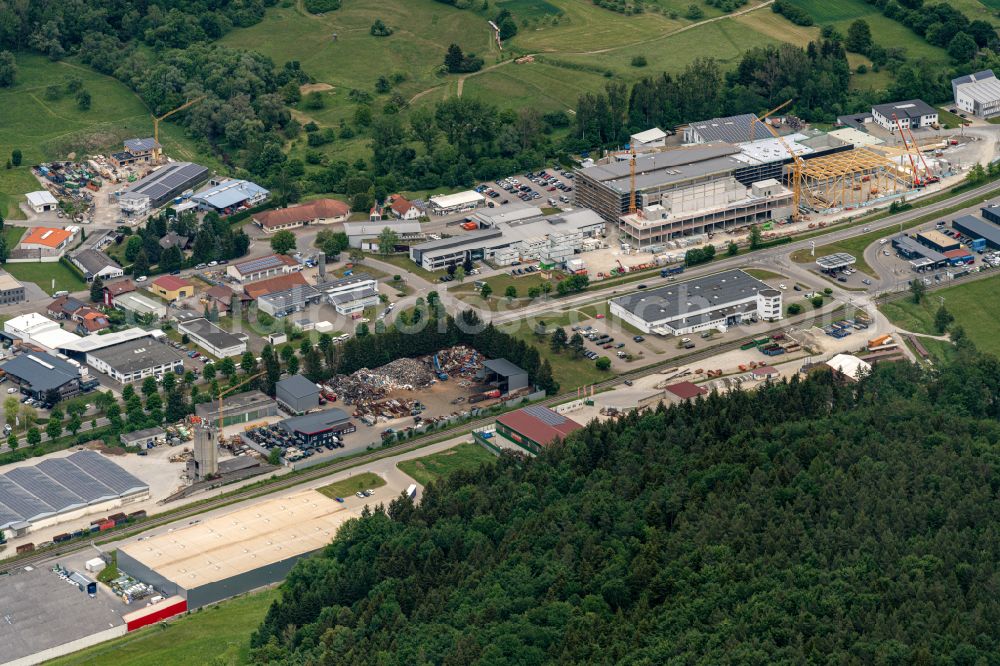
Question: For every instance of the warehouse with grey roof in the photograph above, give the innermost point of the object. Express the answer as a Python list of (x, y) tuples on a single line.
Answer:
[(716, 301)]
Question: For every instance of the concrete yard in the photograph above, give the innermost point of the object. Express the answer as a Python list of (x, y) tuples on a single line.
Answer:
[(41, 611)]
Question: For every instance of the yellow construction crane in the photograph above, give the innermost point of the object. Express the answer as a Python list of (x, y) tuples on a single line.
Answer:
[(226, 391), (798, 164), (760, 119), (156, 121)]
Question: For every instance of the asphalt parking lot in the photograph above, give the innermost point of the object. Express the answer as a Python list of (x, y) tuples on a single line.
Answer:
[(533, 187)]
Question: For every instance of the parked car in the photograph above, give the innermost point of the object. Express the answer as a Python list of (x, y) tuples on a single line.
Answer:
[(141, 278)]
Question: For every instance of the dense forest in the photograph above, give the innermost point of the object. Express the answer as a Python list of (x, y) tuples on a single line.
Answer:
[(806, 522)]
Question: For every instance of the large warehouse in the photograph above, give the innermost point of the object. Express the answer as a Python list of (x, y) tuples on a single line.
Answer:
[(60, 489), (161, 186), (239, 408), (713, 301), (236, 552), (134, 360), (978, 93), (974, 228)]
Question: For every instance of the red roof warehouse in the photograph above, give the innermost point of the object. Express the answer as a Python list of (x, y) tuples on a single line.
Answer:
[(535, 427)]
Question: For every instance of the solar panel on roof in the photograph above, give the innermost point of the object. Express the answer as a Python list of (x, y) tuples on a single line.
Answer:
[(263, 263), (545, 415), (109, 473), (42, 486), (78, 481), (21, 501)]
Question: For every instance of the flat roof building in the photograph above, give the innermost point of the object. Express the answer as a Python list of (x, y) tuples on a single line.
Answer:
[(445, 204), (364, 235), (284, 303), (296, 394), (714, 301), (236, 552), (535, 427), (135, 360), (921, 256), (11, 291), (211, 338), (36, 329), (936, 240), (518, 235), (243, 407), (977, 93), (730, 129)]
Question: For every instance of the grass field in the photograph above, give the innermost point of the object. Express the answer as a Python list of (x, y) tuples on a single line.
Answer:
[(353, 484), (569, 371), (44, 274), (12, 235), (973, 304), (214, 635), (467, 456)]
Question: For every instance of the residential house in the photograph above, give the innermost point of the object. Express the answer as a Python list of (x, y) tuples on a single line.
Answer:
[(90, 321), (64, 307), (172, 287), (173, 239), (403, 209)]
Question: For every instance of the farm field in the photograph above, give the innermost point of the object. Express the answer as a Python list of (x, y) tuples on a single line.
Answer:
[(973, 304), (217, 634), (467, 456)]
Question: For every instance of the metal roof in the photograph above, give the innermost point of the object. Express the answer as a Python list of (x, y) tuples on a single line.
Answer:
[(298, 386), (141, 145), (731, 129), (57, 485), (168, 181), (838, 260), (911, 108), (503, 367), (94, 261), (982, 87), (137, 355), (375, 228), (41, 198), (317, 422), (259, 264), (974, 227), (350, 296), (654, 134), (909, 245), (94, 342), (206, 330), (539, 424), (41, 371), (229, 193), (683, 299)]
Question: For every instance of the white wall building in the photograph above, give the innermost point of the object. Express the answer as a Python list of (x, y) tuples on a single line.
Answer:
[(364, 235), (135, 360), (33, 328), (446, 204), (710, 302), (213, 339), (140, 305), (912, 113), (42, 201), (978, 93), (651, 139)]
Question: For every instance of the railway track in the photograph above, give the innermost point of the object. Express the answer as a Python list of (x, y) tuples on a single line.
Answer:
[(311, 474)]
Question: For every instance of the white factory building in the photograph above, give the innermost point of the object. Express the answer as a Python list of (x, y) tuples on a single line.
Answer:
[(910, 114), (36, 329), (459, 202), (715, 301), (978, 93), (514, 235)]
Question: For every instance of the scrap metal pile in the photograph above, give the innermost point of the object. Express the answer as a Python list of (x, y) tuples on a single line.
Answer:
[(371, 385)]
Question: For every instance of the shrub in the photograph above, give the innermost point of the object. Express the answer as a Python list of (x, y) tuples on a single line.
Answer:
[(639, 61)]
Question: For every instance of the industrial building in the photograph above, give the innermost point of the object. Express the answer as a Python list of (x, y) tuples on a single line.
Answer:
[(262, 267), (230, 196), (145, 438), (36, 373), (731, 129), (460, 202), (284, 303), (238, 408), (42, 201), (236, 552), (296, 394), (977, 93), (364, 235), (95, 263), (36, 329), (161, 186), (47, 238), (938, 241), (685, 191), (79, 348), (319, 428), (211, 338), (135, 360), (651, 139), (524, 234), (319, 211), (711, 302), (138, 304), (274, 285), (535, 427), (911, 114), (504, 375), (975, 228), (11, 291), (921, 256), (62, 488), (683, 391)]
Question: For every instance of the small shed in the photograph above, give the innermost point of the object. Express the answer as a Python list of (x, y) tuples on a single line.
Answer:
[(296, 394), (144, 439), (685, 390), (764, 372)]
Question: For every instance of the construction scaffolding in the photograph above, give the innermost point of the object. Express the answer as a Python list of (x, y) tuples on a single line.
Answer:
[(852, 179)]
